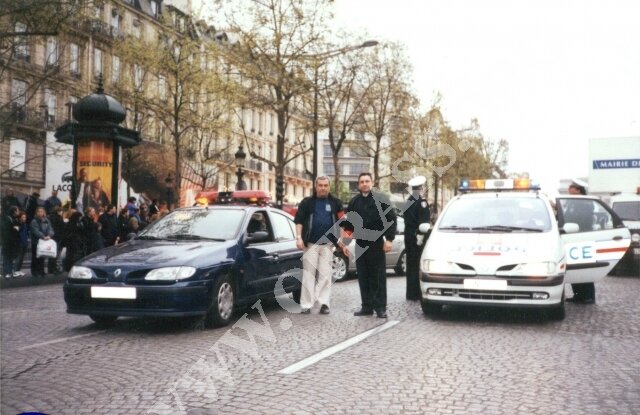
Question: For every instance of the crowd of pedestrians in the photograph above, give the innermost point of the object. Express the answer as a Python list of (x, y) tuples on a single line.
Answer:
[(77, 234)]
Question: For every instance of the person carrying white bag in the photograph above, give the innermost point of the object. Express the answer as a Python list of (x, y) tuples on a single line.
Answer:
[(41, 230)]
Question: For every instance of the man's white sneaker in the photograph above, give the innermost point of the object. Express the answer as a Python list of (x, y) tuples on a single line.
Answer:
[(7, 276), (17, 274)]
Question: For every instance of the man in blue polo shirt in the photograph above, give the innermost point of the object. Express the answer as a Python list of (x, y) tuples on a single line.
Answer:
[(314, 220)]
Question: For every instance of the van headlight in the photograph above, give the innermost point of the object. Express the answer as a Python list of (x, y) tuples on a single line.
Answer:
[(435, 266), (80, 273), (537, 269), (170, 273), (635, 237)]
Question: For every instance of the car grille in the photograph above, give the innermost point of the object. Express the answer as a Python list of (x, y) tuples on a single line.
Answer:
[(488, 295)]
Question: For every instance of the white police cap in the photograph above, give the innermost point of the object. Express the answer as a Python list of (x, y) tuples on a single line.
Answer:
[(580, 183), (417, 181)]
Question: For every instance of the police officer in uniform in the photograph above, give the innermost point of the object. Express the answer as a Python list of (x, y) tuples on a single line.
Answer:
[(416, 212)]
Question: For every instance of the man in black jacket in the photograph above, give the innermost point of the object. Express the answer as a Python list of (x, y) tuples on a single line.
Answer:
[(372, 220), (315, 219)]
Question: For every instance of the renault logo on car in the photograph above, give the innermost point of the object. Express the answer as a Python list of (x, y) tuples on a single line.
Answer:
[(117, 273)]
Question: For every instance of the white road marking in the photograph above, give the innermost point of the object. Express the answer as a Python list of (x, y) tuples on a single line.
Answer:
[(336, 348), (63, 339)]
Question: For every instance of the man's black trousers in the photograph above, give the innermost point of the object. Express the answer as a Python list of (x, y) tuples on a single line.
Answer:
[(372, 277)]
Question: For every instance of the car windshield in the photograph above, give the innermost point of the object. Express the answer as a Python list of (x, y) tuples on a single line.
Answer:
[(499, 214), (627, 210), (196, 224)]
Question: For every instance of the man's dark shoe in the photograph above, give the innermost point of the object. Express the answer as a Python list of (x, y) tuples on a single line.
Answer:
[(381, 313), (363, 312), (324, 309), (305, 311)]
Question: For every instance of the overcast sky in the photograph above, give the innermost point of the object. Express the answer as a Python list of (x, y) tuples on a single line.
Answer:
[(546, 75)]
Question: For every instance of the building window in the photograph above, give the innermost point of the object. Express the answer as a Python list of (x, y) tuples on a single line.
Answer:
[(72, 101), (260, 121), (98, 11), (138, 76), (116, 23), (50, 102), (74, 60), (21, 46), (162, 88), (18, 92), (137, 28), (154, 8), (329, 169), (97, 62), (273, 124), (358, 151), (115, 69), (52, 51), (327, 151), (359, 168)]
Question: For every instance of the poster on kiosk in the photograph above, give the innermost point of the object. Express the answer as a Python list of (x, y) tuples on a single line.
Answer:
[(94, 174)]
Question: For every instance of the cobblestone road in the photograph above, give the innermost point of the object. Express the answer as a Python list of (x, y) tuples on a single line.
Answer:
[(488, 361)]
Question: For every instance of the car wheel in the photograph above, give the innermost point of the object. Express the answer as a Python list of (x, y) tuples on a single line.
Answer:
[(429, 308), (401, 266), (557, 313), (222, 304), (103, 321), (296, 295), (339, 268)]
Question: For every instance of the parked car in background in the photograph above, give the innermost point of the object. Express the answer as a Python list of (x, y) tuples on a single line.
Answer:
[(627, 207), (396, 259)]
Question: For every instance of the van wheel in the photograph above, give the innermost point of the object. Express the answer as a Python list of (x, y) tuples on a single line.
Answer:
[(222, 304), (429, 308), (557, 313), (103, 321)]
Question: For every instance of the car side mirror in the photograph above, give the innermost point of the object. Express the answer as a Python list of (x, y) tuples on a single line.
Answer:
[(424, 227), (258, 236), (570, 228)]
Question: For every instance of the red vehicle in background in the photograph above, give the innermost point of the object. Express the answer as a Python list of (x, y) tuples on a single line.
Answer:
[(244, 197)]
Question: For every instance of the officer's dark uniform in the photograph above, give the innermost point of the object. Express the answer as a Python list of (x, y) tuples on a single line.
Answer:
[(416, 212)]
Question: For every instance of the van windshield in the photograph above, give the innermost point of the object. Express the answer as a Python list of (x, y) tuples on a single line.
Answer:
[(627, 210), (501, 214)]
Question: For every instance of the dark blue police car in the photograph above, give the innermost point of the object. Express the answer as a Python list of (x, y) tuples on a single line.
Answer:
[(200, 261)]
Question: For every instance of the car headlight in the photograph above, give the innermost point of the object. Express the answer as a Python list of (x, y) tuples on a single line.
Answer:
[(80, 273), (537, 269), (434, 266), (170, 273), (635, 237)]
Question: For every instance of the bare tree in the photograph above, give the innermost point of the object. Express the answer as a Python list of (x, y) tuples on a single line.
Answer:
[(387, 103), (275, 39), (179, 80)]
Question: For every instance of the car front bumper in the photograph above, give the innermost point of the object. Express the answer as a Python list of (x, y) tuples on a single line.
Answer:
[(176, 300), (519, 292)]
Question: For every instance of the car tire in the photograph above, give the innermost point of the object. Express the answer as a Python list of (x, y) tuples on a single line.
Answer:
[(429, 308), (296, 295), (557, 313), (339, 268), (103, 321), (401, 266), (222, 304)]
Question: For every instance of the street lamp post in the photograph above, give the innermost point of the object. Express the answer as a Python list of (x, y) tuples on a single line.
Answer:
[(320, 59), (240, 157)]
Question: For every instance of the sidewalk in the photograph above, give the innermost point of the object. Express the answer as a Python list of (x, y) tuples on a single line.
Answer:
[(28, 280)]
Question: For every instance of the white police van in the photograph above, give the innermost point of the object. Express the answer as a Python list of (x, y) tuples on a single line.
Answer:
[(499, 244)]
